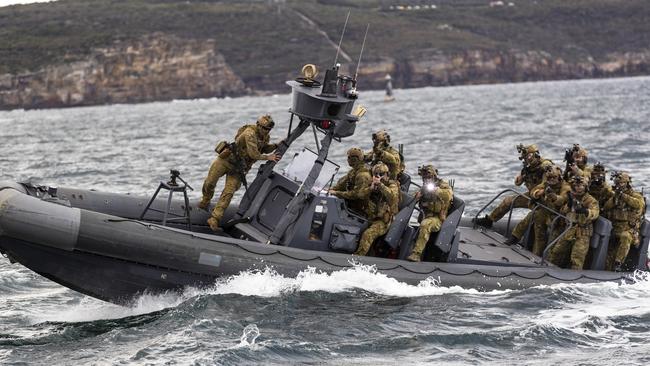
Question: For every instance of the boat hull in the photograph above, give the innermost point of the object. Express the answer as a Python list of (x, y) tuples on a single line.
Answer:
[(116, 259)]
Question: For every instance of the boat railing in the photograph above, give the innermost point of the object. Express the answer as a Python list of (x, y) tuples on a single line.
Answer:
[(537, 205)]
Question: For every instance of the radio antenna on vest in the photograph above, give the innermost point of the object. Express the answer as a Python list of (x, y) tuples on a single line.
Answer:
[(361, 53), (338, 49)]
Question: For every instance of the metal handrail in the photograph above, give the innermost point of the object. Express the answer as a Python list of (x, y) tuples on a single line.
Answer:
[(537, 205)]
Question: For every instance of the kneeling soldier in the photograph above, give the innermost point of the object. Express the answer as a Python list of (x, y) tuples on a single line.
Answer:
[(382, 196), (625, 210), (435, 198), (582, 210)]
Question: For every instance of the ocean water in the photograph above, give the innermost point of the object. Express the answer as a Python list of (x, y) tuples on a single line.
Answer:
[(354, 316)]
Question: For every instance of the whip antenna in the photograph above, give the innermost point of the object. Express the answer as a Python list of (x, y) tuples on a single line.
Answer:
[(336, 59), (361, 53)]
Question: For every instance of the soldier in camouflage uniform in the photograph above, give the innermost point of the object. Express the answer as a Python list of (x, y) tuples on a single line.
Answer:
[(531, 175), (251, 144), (351, 185), (434, 198), (552, 193), (599, 188), (382, 196), (577, 165), (383, 152), (582, 210), (625, 209)]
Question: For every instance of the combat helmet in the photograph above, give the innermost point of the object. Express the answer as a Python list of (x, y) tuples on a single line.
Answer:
[(355, 155), (380, 169), (599, 168), (381, 136), (428, 171), (552, 171), (580, 152), (621, 178), (266, 122)]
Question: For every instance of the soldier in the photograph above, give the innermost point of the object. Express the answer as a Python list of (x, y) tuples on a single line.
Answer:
[(576, 163), (625, 209), (383, 152), (531, 175), (553, 193), (234, 161), (582, 210), (599, 188), (382, 196), (351, 185), (434, 198)]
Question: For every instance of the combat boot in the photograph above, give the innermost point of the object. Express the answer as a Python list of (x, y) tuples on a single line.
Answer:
[(484, 221), (618, 267), (414, 257), (203, 205), (512, 240), (214, 224)]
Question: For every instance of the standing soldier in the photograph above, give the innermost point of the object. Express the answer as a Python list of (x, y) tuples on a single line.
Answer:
[(354, 182), (383, 152), (553, 193), (382, 197), (234, 161), (576, 163), (599, 188), (435, 198), (582, 210), (531, 175), (625, 209)]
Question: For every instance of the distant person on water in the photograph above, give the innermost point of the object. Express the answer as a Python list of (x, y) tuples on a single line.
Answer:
[(382, 199), (384, 153), (625, 209), (234, 160), (531, 175), (434, 198), (351, 186), (581, 210)]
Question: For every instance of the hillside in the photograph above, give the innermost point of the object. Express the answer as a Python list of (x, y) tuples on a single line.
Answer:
[(79, 52)]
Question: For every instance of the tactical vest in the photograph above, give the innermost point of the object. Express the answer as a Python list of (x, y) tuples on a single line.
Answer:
[(379, 208), (623, 212), (534, 175), (241, 146), (433, 205)]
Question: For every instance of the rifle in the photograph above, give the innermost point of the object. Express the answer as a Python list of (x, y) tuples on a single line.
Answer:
[(240, 166)]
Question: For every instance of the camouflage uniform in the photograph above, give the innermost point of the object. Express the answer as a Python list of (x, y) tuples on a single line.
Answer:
[(580, 167), (382, 205), (625, 209), (384, 153), (434, 205), (251, 142), (531, 175), (354, 182), (599, 188), (553, 193), (582, 210)]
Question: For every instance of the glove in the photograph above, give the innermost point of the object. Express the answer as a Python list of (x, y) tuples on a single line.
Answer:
[(582, 210)]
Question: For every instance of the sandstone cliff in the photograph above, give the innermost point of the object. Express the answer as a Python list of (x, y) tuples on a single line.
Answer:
[(163, 67), (155, 67)]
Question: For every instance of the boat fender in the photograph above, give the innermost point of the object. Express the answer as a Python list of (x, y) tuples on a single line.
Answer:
[(37, 221)]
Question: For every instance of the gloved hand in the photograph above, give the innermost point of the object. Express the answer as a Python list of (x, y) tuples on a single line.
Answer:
[(582, 210)]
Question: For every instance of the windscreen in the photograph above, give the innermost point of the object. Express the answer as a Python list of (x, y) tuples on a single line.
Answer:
[(301, 165)]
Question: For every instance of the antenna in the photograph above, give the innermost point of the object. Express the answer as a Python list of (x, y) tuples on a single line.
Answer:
[(336, 59), (361, 53)]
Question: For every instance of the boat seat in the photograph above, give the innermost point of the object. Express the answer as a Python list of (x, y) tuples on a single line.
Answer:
[(445, 242), (637, 258), (597, 255)]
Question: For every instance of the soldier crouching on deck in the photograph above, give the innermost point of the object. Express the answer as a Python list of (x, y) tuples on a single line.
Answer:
[(382, 197), (625, 210), (354, 182), (531, 175), (234, 161), (435, 198)]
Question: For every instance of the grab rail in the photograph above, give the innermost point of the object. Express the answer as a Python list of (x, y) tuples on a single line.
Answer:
[(548, 246)]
